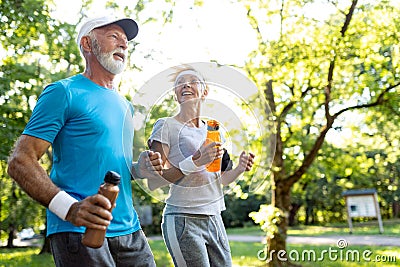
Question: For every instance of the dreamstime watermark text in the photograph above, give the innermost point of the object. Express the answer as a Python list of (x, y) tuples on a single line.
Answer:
[(340, 253)]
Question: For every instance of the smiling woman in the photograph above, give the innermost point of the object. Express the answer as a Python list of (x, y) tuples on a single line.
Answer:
[(183, 142), (189, 84)]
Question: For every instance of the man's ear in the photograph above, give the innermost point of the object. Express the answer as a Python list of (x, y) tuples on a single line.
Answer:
[(86, 43)]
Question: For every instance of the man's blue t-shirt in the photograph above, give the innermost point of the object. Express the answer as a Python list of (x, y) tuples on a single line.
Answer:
[(90, 128)]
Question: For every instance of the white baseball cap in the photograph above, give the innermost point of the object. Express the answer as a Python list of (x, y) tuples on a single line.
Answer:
[(129, 26)]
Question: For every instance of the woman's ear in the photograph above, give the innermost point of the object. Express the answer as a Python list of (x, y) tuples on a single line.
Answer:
[(205, 93), (175, 94)]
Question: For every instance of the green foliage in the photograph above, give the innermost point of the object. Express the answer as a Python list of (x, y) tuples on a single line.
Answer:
[(37, 50), (356, 166), (318, 69), (164, 109), (298, 62), (142, 197), (269, 217), (238, 209)]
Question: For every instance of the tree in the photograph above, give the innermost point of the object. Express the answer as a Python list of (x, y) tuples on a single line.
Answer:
[(314, 73), (21, 78)]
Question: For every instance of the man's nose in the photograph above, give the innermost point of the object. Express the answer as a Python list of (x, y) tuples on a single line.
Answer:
[(123, 43)]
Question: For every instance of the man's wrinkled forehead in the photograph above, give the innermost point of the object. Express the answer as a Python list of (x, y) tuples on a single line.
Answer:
[(111, 28)]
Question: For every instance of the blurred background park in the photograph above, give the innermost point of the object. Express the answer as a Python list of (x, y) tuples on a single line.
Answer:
[(328, 79)]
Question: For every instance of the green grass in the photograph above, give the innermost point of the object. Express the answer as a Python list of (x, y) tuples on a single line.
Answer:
[(243, 254), (23, 257), (250, 230), (160, 252), (390, 227)]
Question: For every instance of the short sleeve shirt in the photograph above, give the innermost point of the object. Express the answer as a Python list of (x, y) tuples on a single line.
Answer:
[(90, 129), (196, 193)]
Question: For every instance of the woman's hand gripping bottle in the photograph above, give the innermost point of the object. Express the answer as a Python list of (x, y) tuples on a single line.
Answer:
[(213, 135), (92, 237)]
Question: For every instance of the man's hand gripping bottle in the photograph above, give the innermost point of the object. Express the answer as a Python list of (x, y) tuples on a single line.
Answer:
[(92, 237)]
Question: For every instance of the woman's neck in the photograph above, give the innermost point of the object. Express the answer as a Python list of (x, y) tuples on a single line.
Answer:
[(189, 115)]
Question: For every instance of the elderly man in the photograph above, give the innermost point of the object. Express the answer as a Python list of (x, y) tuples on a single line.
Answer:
[(90, 128)]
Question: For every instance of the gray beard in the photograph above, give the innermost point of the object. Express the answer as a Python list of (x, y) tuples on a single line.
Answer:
[(107, 60)]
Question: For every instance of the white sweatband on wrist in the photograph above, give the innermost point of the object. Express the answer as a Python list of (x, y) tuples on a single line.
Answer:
[(61, 203), (187, 166)]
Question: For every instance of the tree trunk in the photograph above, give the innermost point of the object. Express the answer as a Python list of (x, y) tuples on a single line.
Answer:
[(11, 227), (294, 208), (46, 245), (277, 244), (309, 212), (11, 234), (396, 209)]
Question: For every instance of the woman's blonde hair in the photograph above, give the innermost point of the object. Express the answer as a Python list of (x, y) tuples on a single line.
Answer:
[(185, 68)]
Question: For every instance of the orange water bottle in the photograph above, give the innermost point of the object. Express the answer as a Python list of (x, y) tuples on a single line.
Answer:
[(213, 135)]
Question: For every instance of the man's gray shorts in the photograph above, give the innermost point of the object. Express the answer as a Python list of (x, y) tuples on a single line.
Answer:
[(196, 240), (126, 250)]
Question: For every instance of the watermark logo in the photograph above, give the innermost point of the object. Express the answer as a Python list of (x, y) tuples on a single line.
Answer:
[(342, 243), (333, 254)]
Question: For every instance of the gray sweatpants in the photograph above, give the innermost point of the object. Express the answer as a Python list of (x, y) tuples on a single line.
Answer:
[(196, 240), (126, 250)]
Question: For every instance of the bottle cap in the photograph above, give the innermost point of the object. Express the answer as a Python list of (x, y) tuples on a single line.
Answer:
[(212, 125), (112, 178)]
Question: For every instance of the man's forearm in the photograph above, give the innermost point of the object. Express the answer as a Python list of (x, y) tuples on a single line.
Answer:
[(169, 176), (33, 179)]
